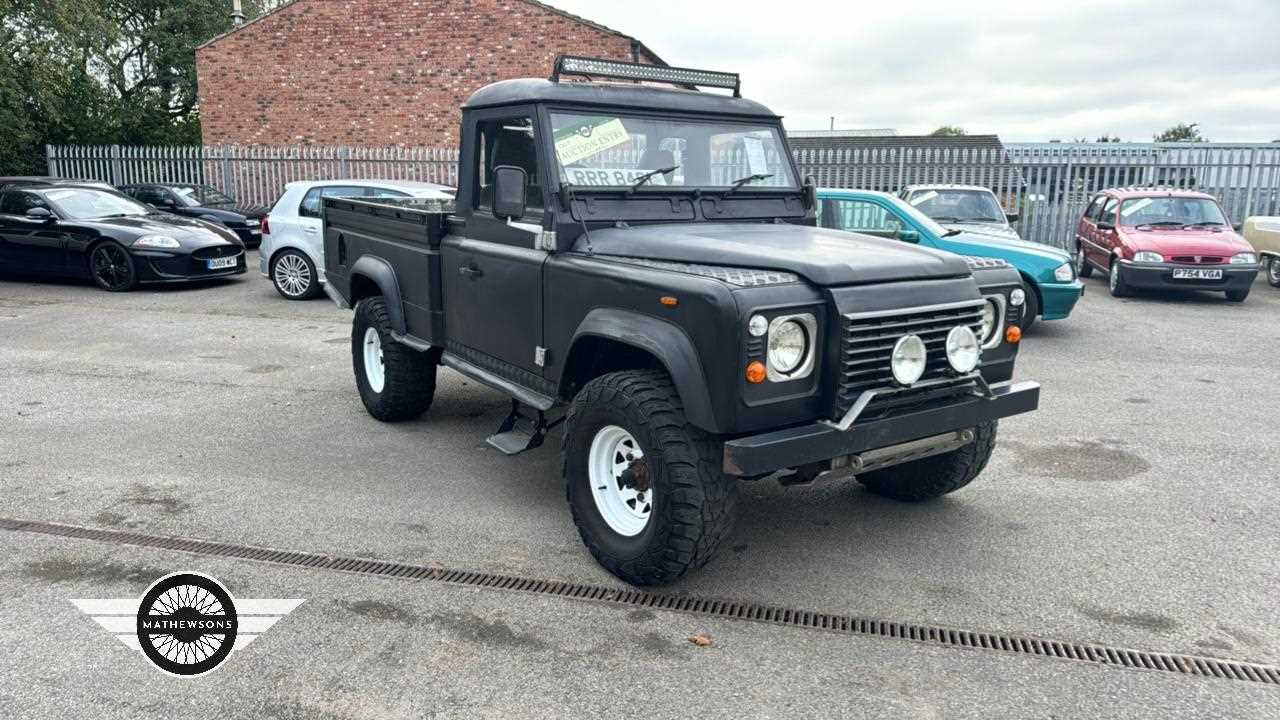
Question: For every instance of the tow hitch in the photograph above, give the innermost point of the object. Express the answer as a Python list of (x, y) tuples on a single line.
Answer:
[(850, 465)]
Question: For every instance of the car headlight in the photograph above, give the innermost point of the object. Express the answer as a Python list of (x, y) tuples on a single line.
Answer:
[(157, 241), (790, 346), (990, 320), (758, 326), (1017, 296), (1244, 258), (1147, 256), (908, 359), (1064, 273), (963, 352)]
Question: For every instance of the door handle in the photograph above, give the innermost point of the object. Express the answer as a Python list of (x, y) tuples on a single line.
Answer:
[(470, 271), (312, 230)]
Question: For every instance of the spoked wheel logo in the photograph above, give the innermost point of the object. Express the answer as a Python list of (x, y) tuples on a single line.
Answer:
[(187, 624)]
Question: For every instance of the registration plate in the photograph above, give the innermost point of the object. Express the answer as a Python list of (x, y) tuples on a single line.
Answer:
[(222, 263), (1196, 274)]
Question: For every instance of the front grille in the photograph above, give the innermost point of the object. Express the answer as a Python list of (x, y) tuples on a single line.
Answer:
[(1199, 259), (216, 251), (867, 344)]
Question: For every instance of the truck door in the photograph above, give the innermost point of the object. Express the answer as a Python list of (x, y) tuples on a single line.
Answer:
[(492, 272)]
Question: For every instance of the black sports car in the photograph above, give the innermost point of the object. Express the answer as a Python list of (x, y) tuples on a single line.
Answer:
[(118, 242), (204, 202)]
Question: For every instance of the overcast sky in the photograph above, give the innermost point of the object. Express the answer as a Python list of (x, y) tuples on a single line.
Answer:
[(1027, 70)]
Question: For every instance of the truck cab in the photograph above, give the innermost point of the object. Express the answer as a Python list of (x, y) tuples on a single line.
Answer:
[(642, 265)]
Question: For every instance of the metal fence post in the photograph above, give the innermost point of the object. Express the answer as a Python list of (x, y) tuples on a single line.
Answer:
[(117, 172), (51, 159), (344, 170), (226, 171), (1248, 186)]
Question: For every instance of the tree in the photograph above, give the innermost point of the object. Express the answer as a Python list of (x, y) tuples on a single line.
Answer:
[(1108, 138), (1182, 132), (948, 131), (102, 72)]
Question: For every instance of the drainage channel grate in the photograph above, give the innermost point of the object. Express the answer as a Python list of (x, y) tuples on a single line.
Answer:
[(711, 607)]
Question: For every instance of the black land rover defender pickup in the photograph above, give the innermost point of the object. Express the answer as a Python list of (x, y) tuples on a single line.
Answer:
[(642, 264)]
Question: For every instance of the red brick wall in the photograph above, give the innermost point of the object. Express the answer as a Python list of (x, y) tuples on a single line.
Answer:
[(377, 72)]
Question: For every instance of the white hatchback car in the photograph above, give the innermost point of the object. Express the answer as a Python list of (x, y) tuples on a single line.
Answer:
[(292, 251)]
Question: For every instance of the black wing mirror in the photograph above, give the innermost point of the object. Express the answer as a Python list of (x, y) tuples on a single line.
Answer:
[(510, 191), (1012, 217), (1238, 227), (1106, 226), (39, 213)]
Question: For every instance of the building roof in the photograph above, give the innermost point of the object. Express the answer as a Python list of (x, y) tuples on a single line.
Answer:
[(636, 44), (646, 97)]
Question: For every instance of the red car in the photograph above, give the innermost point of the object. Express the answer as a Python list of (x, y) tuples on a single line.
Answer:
[(1157, 238)]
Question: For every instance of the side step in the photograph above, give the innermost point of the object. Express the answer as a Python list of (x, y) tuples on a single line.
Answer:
[(521, 431)]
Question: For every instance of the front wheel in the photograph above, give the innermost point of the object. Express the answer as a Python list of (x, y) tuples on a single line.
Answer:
[(112, 267), (1031, 311), (932, 477), (645, 487), (395, 381), (1273, 271), (1115, 280)]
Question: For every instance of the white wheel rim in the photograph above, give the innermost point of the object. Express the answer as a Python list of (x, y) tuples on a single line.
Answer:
[(625, 509), (374, 370), (1080, 261), (292, 275)]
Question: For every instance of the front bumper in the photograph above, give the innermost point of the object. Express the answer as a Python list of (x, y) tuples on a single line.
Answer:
[(1058, 299), (817, 442), (1160, 275), (158, 266)]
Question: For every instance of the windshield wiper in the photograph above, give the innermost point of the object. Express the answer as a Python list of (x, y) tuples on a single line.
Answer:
[(1169, 223), (945, 218), (642, 179), (744, 180), (1204, 223), (980, 219), (951, 233)]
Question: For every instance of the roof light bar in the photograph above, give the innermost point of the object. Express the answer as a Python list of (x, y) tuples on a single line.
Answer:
[(595, 67)]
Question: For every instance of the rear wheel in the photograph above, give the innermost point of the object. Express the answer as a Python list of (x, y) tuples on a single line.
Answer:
[(1273, 271), (112, 267), (294, 275), (1083, 268), (932, 477), (1115, 280), (645, 487), (395, 381)]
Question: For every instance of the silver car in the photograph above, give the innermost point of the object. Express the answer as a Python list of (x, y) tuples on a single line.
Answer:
[(292, 251)]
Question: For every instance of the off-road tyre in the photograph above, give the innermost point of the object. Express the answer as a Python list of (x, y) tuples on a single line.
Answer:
[(410, 375), (694, 502), (935, 476), (1083, 268), (1237, 296)]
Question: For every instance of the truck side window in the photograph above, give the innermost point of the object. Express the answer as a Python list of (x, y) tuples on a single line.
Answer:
[(507, 141)]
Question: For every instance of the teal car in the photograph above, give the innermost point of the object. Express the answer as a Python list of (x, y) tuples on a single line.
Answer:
[(1047, 273)]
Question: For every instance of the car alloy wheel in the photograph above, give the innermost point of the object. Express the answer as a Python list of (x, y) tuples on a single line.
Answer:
[(375, 371), (620, 482), (1082, 263), (292, 275), (112, 267)]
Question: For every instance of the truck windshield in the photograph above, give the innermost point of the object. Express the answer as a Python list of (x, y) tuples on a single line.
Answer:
[(610, 150), (1171, 211), (958, 205)]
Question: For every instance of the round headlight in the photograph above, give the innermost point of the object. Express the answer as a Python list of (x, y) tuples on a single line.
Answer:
[(908, 359), (1017, 296), (757, 326), (788, 345), (990, 318), (963, 351)]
